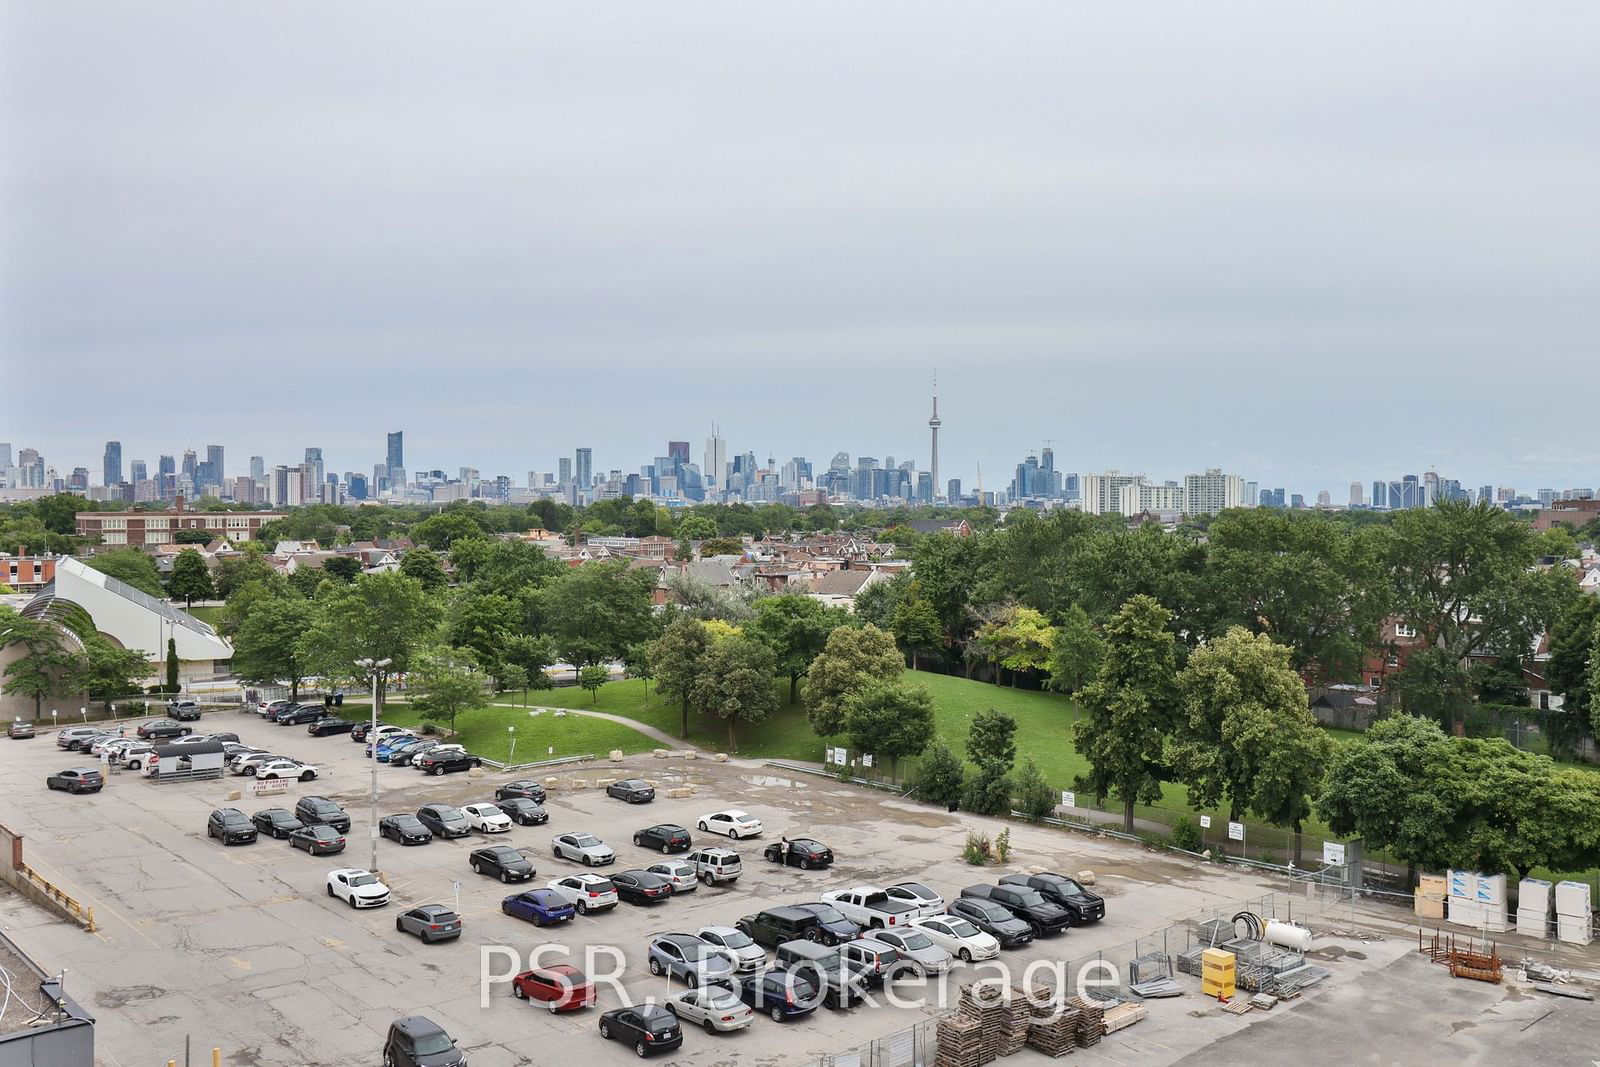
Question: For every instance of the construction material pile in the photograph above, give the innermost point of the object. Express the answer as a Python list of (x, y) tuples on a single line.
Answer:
[(1124, 1015), (961, 1043), (1055, 1035), (1091, 1020), (1004, 1017)]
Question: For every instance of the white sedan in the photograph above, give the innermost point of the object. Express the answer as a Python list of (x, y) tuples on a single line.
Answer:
[(679, 874), (919, 896), (958, 937), (714, 1007), (285, 768), (357, 888), (487, 818), (732, 823)]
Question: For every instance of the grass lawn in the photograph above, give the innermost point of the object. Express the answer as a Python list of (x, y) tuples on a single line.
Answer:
[(208, 615), (539, 737)]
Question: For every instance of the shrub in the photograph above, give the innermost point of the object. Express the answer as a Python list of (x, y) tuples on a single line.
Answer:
[(940, 776), (1035, 798), (978, 851), (132, 707), (989, 792), (429, 730), (1002, 846), (1186, 835)]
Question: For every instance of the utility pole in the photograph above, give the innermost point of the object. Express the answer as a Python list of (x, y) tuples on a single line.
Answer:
[(373, 668)]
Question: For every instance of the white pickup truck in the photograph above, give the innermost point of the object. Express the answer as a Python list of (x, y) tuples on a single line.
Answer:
[(871, 907)]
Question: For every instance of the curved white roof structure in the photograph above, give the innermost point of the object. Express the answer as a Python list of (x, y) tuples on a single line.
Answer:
[(133, 619)]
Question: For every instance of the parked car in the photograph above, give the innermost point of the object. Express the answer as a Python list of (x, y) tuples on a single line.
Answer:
[(780, 994), (405, 757), (731, 823), (385, 729), (358, 732), (319, 839), (774, 926), (19, 730), (184, 710), (404, 829), (357, 888), (993, 920), (76, 780), (285, 768), (586, 892), (277, 823), (102, 744), (1081, 905), (392, 744), (871, 907), (446, 759), (417, 1041), (136, 755), (916, 949), (523, 811), (231, 826), (919, 896), (444, 820), (86, 743), (649, 1028), (250, 762), (877, 961), (715, 866), (958, 936), (801, 852), (330, 724), (667, 837), (841, 982), (1024, 903), (633, 790), (300, 714), (312, 810), (641, 887), (676, 873), (159, 728), (832, 925), (687, 957), (559, 987), (522, 788), (743, 953), (587, 849), (430, 922), (542, 907), (487, 818), (502, 862), (268, 708), (73, 736)]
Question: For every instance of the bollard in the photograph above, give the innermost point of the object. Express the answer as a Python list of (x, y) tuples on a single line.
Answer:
[(216, 1057)]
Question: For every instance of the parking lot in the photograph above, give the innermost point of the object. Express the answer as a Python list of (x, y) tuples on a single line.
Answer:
[(240, 947)]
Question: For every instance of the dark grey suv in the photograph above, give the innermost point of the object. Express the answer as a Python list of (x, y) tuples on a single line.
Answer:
[(231, 826), (417, 1041), (314, 811)]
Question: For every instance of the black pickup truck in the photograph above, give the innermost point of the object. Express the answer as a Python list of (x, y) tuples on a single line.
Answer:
[(1026, 904), (1084, 906)]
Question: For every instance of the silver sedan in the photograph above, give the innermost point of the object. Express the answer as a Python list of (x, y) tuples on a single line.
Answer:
[(914, 947), (715, 1008), (677, 873)]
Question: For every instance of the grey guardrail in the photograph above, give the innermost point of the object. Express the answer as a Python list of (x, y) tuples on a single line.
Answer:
[(558, 762)]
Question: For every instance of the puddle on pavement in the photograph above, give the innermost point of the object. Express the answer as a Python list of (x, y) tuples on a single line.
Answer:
[(767, 779)]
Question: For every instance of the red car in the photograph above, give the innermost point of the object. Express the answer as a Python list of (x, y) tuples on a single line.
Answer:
[(559, 987)]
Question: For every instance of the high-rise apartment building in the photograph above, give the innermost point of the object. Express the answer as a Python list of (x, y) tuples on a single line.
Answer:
[(112, 469), (1102, 493), (395, 453), (583, 467), (716, 465), (189, 466), (1211, 492), (214, 458), (5, 455), (137, 472), (563, 471), (258, 469), (313, 468), (1357, 497)]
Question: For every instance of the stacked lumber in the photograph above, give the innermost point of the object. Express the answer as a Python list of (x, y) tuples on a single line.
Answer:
[(1091, 1021), (961, 1043), (1124, 1015), (1055, 1035), (987, 1004)]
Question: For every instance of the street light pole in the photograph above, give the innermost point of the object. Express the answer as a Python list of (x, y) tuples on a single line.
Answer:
[(373, 668)]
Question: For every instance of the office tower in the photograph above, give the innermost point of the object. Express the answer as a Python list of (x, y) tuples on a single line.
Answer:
[(679, 451), (952, 490), (1211, 492), (1430, 488), (395, 456), (563, 471), (137, 471), (214, 457), (188, 466), (715, 470), (583, 467), (30, 468), (5, 455), (112, 469), (1324, 499), (258, 468), (313, 468), (1297, 501), (925, 487), (1027, 480), (1380, 494), (934, 422), (79, 481), (1357, 496), (165, 465)]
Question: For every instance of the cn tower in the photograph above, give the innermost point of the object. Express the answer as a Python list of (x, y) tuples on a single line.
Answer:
[(933, 428)]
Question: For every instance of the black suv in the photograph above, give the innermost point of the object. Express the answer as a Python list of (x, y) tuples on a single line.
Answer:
[(667, 837), (299, 715), (232, 826), (314, 811), (445, 759), (774, 926), (993, 920), (1024, 903), (417, 1041), (1082, 905)]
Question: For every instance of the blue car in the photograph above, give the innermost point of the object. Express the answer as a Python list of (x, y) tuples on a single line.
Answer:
[(779, 994), (387, 746), (542, 907)]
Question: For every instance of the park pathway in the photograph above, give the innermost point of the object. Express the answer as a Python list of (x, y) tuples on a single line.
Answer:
[(666, 739)]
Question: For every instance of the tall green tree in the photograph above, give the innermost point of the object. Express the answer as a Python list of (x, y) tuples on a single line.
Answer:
[(1572, 639), (992, 748), (233, 572), (191, 578), (381, 616), (106, 671), (1035, 796), (851, 658), (941, 777), (915, 625), (444, 683), (131, 566), (1018, 639), (1245, 736), (890, 719), (1130, 708), (443, 530), (1378, 788), (736, 683), (422, 563), (532, 655), (46, 662), (342, 568), (591, 678), (481, 623), (596, 611), (1076, 652), (268, 649), (677, 658), (796, 628), (172, 685)]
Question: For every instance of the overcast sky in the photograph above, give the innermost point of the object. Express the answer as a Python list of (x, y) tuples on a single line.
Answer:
[(1306, 242)]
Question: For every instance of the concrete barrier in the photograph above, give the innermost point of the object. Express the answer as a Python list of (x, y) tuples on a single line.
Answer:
[(690, 754), (616, 755), (720, 757), (660, 753), (1086, 877), (552, 783)]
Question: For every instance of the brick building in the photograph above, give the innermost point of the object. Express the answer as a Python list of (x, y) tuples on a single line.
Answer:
[(117, 529)]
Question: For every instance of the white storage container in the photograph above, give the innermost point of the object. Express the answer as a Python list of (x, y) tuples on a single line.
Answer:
[(1572, 898), (1491, 889), (1465, 912), (1575, 931), (1464, 884), (1534, 896), (1533, 926)]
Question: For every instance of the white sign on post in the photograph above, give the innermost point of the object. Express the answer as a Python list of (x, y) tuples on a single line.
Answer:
[(1236, 831), (1333, 853), (866, 761), (1069, 799), (839, 756), (1205, 822)]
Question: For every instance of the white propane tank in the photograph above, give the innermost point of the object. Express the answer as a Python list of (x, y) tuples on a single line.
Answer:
[(1288, 935)]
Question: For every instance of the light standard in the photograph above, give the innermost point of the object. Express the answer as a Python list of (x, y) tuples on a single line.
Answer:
[(374, 668), (511, 757)]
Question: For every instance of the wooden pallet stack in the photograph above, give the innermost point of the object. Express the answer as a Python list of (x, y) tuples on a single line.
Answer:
[(961, 1043), (988, 1005), (1091, 1021), (1014, 1033), (1124, 1015), (1055, 1035)]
